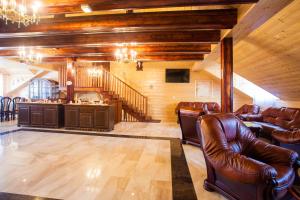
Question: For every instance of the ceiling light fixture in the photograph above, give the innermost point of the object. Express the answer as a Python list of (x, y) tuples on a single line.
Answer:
[(19, 12), (86, 8), (94, 72), (27, 55), (125, 54)]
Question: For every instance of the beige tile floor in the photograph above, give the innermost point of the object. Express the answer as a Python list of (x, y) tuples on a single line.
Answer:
[(73, 166)]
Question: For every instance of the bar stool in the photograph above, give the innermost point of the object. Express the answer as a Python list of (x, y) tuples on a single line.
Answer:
[(1, 117), (5, 108), (15, 107)]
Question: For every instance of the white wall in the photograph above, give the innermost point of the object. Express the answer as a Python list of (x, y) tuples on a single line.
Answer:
[(1, 84)]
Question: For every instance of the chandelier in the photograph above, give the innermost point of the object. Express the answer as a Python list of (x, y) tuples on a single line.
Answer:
[(27, 55), (18, 11), (94, 72), (126, 55)]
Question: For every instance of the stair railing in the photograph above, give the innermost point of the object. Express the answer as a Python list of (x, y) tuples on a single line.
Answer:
[(128, 94), (134, 100)]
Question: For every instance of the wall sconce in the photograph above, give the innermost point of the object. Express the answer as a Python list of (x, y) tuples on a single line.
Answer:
[(139, 66)]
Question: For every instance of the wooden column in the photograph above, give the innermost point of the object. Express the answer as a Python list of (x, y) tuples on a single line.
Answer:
[(227, 75), (70, 80)]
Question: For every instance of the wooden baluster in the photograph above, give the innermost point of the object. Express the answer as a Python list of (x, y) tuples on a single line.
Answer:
[(135, 105), (146, 105), (105, 81)]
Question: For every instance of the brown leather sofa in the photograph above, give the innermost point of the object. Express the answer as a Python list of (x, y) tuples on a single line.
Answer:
[(277, 119), (188, 115), (208, 107), (239, 165), (247, 110), (287, 139), (187, 121)]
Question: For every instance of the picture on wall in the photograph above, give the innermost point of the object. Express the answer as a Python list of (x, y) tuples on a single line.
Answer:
[(203, 88)]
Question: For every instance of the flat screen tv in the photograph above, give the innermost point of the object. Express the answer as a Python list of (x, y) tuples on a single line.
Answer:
[(177, 75)]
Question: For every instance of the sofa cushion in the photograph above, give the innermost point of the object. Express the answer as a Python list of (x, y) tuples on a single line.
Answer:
[(269, 119), (285, 117), (295, 123), (288, 137), (269, 128)]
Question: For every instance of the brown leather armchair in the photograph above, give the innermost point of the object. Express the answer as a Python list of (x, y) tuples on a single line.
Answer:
[(187, 121), (239, 165), (247, 110)]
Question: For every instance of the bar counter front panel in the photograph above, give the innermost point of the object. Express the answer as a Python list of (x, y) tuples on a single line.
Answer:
[(41, 115), (71, 116), (89, 117)]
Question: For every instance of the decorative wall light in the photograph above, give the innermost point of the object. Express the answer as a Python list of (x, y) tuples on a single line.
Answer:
[(28, 55), (18, 11)]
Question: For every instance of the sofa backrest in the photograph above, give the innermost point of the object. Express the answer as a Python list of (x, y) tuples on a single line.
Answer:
[(208, 107), (288, 118), (212, 107), (248, 109)]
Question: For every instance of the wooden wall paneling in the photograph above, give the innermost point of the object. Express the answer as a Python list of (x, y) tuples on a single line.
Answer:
[(163, 97)]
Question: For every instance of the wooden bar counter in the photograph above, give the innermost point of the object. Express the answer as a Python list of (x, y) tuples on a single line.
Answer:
[(45, 115), (90, 117)]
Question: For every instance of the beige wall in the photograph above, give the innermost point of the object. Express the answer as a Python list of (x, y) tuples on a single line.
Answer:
[(163, 97)]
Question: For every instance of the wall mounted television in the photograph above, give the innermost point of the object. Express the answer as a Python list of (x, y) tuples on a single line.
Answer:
[(177, 75)]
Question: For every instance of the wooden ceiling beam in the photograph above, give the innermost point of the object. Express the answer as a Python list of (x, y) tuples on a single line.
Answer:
[(204, 36), (112, 58), (150, 49), (201, 19), (66, 6)]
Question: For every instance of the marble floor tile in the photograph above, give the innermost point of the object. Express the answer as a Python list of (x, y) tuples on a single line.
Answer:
[(8, 126), (72, 166), (170, 130), (197, 167), (84, 167)]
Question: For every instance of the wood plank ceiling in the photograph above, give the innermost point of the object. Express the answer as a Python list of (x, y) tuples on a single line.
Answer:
[(171, 30), (269, 56)]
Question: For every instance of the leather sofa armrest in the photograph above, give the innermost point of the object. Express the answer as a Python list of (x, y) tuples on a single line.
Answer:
[(256, 118), (287, 137), (272, 154), (243, 169)]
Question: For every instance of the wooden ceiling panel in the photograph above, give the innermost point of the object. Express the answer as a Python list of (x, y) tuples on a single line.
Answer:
[(269, 57), (206, 36), (168, 35), (67, 6), (204, 19), (149, 49), (165, 57)]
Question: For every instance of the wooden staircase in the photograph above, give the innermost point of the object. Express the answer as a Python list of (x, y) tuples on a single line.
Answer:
[(112, 88)]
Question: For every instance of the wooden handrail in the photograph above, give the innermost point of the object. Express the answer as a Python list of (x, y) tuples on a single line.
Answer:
[(112, 84), (124, 83)]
